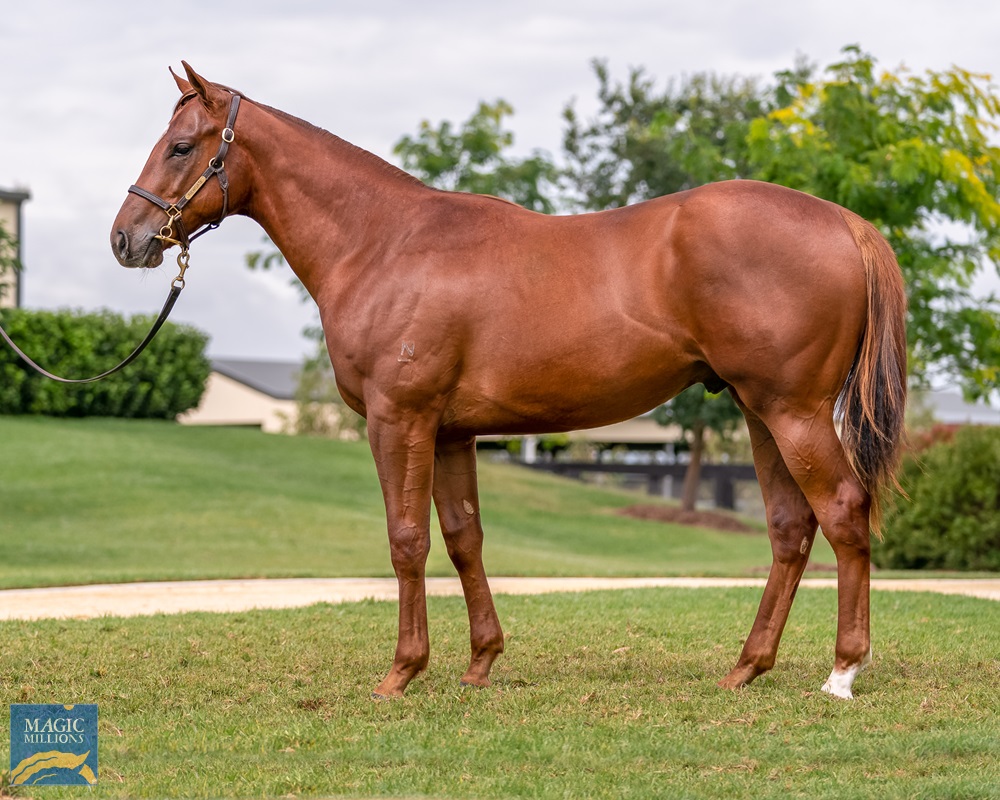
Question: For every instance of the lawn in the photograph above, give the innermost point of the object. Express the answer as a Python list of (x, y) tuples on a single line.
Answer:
[(87, 501), (605, 694)]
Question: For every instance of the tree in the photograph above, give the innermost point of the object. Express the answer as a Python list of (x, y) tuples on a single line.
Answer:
[(644, 143), (696, 411), (914, 155), (473, 159)]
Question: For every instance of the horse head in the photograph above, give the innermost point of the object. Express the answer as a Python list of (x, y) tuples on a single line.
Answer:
[(167, 201)]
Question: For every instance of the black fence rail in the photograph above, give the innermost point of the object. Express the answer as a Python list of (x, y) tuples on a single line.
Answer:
[(723, 476)]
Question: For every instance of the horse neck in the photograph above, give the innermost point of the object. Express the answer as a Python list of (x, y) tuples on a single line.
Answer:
[(321, 200)]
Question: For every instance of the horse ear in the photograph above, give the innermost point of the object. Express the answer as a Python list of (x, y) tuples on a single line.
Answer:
[(182, 84), (211, 94)]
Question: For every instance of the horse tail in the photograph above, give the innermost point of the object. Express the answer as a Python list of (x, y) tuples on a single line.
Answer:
[(872, 403)]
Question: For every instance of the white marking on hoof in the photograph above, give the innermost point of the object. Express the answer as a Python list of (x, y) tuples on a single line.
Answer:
[(840, 681)]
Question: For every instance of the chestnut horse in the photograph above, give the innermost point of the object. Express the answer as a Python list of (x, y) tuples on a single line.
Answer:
[(450, 315)]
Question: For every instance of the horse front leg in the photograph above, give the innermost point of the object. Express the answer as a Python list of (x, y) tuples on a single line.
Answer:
[(404, 458), (456, 495)]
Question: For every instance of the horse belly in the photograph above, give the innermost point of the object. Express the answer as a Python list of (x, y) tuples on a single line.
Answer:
[(599, 381)]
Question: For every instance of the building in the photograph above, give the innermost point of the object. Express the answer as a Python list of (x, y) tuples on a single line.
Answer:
[(950, 408), (10, 220), (248, 392)]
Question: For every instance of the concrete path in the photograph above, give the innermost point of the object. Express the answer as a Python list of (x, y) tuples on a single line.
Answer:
[(173, 597)]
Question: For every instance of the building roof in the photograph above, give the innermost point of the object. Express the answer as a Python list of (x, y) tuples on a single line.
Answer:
[(277, 379), (15, 195), (950, 408)]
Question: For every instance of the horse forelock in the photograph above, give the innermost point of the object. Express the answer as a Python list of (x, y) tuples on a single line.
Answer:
[(191, 94)]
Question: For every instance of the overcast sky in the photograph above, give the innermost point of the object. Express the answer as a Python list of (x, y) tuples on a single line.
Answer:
[(86, 93)]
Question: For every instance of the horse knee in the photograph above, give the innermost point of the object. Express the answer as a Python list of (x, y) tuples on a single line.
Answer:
[(408, 549)]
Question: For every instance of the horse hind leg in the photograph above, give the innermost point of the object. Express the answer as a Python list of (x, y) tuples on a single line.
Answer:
[(815, 458), (456, 495), (791, 527)]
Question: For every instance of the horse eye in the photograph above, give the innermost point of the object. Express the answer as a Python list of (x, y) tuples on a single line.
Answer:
[(181, 149)]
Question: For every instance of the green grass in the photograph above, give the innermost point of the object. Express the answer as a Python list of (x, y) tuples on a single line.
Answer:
[(608, 694), (87, 501)]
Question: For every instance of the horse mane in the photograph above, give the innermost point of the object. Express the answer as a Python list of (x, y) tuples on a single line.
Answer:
[(358, 152)]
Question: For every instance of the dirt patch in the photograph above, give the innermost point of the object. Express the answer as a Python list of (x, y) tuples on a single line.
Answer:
[(701, 519)]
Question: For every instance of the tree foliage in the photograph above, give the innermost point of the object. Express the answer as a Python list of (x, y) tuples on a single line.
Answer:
[(474, 158), (913, 154), (643, 142)]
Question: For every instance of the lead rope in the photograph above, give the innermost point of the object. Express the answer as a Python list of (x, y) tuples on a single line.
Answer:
[(175, 291)]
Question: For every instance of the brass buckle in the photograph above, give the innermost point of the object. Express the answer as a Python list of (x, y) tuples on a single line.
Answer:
[(166, 233), (183, 259)]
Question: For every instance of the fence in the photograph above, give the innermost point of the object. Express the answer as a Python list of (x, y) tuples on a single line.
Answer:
[(723, 476)]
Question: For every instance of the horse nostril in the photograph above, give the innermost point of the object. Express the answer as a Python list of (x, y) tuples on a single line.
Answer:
[(122, 244)]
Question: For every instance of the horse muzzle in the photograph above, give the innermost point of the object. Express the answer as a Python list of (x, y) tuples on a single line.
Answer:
[(136, 250)]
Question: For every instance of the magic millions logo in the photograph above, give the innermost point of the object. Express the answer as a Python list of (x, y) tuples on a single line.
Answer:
[(53, 744)]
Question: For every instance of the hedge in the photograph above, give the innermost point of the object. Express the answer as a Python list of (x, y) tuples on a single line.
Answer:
[(952, 518), (166, 380)]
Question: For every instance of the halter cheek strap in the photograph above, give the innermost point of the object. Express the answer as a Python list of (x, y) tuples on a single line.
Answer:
[(216, 167)]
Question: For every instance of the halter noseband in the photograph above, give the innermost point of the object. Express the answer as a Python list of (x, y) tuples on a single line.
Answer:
[(216, 167)]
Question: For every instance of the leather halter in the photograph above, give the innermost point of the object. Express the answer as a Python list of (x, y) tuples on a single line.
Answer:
[(216, 167)]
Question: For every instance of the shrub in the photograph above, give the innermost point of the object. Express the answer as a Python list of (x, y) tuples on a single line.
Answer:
[(952, 519), (166, 380)]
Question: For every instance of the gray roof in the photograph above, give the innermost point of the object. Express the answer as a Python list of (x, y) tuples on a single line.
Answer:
[(15, 195), (277, 379)]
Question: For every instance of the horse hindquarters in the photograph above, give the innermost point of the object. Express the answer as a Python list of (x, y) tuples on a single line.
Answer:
[(841, 480)]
